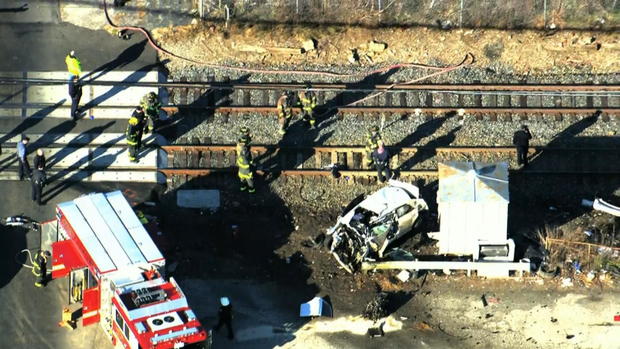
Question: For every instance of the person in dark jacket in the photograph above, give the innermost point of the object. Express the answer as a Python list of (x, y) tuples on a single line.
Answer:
[(39, 159), (224, 316), (38, 181), (22, 151), (521, 139), (75, 91), (381, 159)]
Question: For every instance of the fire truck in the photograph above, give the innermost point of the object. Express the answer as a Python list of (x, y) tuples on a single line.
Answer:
[(116, 275)]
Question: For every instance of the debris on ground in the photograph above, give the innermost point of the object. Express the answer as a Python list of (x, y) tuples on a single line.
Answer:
[(403, 275), (423, 326), (567, 282), (376, 331), (317, 306), (377, 307)]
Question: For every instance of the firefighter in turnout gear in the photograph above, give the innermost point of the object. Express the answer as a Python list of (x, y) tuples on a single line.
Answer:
[(39, 268), (133, 132), (307, 100), (373, 137), (246, 136), (143, 124), (151, 106), (244, 163), (285, 113)]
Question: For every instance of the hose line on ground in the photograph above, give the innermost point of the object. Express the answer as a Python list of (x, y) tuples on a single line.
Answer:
[(261, 71)]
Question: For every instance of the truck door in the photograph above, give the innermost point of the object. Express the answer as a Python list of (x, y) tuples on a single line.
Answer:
[(91, 304)]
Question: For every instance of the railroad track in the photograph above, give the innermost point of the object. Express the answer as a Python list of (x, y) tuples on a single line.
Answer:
[(193, 161), (482, 101)]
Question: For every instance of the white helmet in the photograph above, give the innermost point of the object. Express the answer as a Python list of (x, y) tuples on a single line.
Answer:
[(224, 301)]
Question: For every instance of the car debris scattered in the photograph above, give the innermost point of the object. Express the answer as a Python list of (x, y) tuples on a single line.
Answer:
[(317, 306)]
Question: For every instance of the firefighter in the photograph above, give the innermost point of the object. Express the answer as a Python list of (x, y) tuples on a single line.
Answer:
[(225, 316), (38, 181), (285, 113), (381, 158), (143, 125), (245, 135), (151, 106), (132, 138), (244, 163), (75, 92), (372, 142), (307, 100), (39, 268), (142, 217), (74, 66), (521, 139)]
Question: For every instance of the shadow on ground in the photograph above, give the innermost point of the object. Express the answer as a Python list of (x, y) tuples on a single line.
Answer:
[(12, 240), (232, 252)]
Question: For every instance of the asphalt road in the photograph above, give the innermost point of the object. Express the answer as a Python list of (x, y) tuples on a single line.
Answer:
[(35, 40), (29, 314), (43, 47)]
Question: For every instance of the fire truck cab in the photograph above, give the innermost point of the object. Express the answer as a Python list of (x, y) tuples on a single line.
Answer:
[(116, 274)]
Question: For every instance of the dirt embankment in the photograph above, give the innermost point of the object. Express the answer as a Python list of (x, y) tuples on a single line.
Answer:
[(521, 52)]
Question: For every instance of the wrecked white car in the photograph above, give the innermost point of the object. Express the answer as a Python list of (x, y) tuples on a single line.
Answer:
[(370, 223)]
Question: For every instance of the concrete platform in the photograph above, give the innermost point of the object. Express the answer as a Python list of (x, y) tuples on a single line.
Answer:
[(92, 164), (75, 139), (103, 102)]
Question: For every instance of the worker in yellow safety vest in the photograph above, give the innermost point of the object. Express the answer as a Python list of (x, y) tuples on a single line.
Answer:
[(373, 137), (244, 163), (285, 112), (39, 268), (74, 66), (132, 133), (307, 100)]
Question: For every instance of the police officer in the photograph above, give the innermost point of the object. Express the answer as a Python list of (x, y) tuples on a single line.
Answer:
[(75, 92), (372, 142), (24, 166), (39, 268), (521, 139), (285, 113), (132, 134), (224, 316), (307, 99), (38, 181), (244, 163), (381, 158), (39, 159), (74, 66), (151, 106)]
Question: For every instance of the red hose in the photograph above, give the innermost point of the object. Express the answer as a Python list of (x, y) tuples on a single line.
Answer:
[(267, 71)]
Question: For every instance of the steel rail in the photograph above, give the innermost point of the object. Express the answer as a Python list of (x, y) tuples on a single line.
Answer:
[(393, 149), (172, 150), (353, 86), (409, 110), (352, 110), (193, 172)]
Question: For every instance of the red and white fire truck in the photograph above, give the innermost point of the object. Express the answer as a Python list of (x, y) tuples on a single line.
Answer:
[(116, 275)]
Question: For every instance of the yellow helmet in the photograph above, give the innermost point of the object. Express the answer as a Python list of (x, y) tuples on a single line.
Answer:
[(133, 121)]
